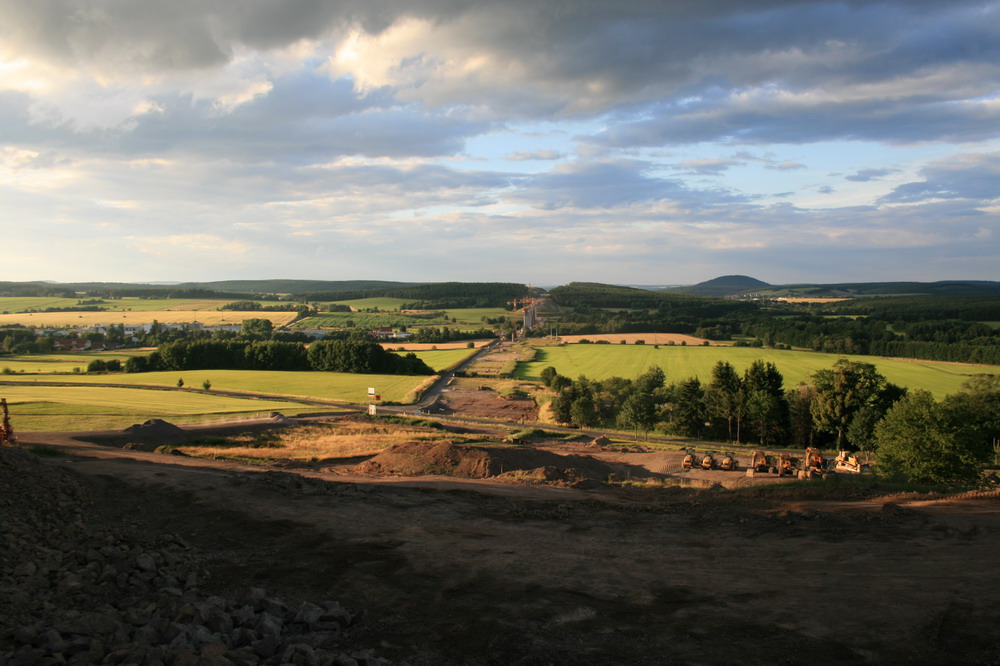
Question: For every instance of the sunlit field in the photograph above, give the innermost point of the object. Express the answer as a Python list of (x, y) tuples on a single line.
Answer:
[(333, 386), (62, 362), (679, 363), (82, 407), (88, 319)]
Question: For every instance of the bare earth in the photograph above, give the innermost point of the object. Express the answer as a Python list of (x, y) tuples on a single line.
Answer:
[(474, 571)]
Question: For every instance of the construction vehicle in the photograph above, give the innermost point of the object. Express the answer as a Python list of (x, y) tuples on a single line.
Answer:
[(729, 462), (786, 465), (7, 437), (849, 463), (708, 461), (814, 465), (689, 460), (759, 464)]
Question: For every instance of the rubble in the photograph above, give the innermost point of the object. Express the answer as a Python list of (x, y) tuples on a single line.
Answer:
[(76, 593)]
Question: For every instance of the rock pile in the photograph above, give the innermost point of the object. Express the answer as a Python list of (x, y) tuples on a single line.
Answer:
[(75, 593)]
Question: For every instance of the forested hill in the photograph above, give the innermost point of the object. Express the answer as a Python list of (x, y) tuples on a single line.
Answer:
[(592, 294), (727, 285), (436, 294), (433, 295), (858, 289), (296, 286)]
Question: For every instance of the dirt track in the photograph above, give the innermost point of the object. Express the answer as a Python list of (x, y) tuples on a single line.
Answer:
[(473, 572)]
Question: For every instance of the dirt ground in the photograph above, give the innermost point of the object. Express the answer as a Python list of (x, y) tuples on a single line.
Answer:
[(474, 402), (472, 571)]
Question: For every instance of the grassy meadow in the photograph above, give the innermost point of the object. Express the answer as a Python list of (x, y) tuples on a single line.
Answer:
[(62, 362), (681, 362), (82, 407), (333, 386)]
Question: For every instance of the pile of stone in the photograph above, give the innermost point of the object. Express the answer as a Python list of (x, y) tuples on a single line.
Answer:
[(74, 593)]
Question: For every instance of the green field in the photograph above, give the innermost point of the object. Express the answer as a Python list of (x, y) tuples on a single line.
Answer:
[(323, 385), (35, 408), (474, 316), (366, 320), (65, 362), (83, 406), (681, 362), (14, 304), (382, 303), (441, 358)]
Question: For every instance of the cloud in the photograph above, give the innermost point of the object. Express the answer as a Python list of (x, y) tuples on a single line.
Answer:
[(768, 70), (610, 184), (868, 175), (525, 156), (970, 176), (707, 167)]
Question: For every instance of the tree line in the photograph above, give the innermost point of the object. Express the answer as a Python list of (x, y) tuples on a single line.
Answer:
[(352, 356), (849, 406)]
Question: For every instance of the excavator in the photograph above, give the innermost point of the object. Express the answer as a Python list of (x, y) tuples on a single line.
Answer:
[(7, 437), (814, 464), (759, 464)]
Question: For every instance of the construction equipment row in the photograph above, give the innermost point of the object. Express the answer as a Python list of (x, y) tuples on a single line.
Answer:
[(812, 465)]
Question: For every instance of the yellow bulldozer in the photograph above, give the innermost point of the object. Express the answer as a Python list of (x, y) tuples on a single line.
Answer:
[(849, 463), (689, 460)]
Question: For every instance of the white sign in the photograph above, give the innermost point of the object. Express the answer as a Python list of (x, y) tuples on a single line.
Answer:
[(371, 410), (371, 391)]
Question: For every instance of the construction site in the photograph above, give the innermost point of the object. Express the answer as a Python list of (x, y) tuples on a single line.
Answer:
[(519, 553)]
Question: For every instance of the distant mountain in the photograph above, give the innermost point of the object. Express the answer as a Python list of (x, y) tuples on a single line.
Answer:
[(727, 285)]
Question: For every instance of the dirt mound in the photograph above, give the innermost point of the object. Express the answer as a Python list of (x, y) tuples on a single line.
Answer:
[(480, 462), (280, 419), (154, 428)]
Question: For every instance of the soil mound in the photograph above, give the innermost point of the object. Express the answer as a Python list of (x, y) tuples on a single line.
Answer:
[(280, 419), (480, 462), (154, 429)]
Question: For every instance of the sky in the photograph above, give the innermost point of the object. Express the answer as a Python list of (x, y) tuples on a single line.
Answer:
[(654, 142)]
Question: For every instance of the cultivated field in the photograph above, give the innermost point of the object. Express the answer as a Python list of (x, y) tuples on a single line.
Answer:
[(382, 303), (45, 408), (322, 385), (647, 338), (603, 361), (62, 362), (173, 316), (365, 320), (431, 346), (806, 299)]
